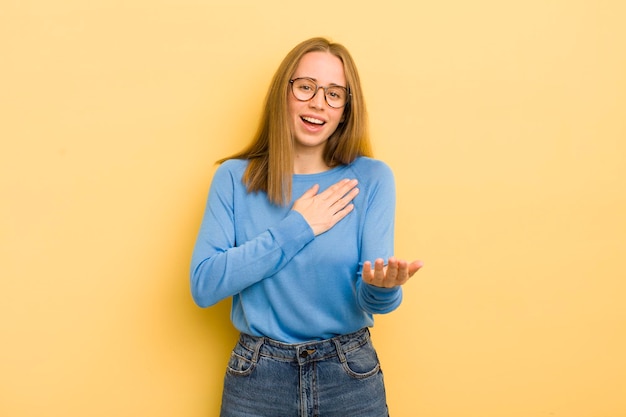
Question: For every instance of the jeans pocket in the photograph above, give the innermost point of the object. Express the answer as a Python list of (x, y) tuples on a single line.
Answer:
[(362, 362), (240, 362)]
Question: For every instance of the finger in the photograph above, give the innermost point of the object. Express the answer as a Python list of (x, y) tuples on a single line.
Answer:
[(338, 190), (392, 270), (345, 188), (414, 266), (407, 270), (366, 272), (342, 213), (379, 272), (311, 191), (402, 275), (369, 274), (327, 193), (345, 200)]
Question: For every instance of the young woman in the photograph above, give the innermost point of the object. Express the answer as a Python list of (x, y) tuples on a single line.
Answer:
[(296, 230)]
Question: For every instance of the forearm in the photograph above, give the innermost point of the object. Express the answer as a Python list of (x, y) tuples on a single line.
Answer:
[(220, 270)]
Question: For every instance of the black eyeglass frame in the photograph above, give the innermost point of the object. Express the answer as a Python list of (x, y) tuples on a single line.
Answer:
[(317, 88)]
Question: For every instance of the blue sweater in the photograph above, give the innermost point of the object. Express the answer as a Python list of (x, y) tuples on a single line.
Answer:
[(286, 283)]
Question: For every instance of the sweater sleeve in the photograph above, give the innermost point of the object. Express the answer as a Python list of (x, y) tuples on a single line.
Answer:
[(221, 266), (378, 240)]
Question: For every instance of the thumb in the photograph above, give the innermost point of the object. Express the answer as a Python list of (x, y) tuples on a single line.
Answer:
[(311, 191), (415, 266)]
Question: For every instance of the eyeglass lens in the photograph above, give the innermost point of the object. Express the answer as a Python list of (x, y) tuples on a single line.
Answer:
[(305, 89)]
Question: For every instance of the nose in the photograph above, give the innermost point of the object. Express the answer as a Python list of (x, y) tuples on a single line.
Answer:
[(319, 98)]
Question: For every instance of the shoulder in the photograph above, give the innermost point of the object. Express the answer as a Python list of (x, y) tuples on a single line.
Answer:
[(372, 169), (231, 168), (376, 179), (234, 166), (228, 175)]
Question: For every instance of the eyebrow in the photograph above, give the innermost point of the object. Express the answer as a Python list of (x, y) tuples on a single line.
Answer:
[(329, 85)]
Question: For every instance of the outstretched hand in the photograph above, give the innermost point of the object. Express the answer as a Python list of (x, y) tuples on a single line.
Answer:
[(324, 210), (397, 272)]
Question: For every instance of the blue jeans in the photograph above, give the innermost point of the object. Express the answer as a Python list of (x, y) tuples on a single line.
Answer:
[(338, 377)]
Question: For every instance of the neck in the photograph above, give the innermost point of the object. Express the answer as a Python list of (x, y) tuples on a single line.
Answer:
[(309, 163)]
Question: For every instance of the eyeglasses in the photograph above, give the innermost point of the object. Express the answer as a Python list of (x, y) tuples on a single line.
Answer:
[(304, 89)]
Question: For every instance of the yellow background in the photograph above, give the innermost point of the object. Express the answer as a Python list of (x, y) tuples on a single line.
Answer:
[(504, 122)]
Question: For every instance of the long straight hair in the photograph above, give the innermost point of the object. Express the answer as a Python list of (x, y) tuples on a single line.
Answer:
[(270, 154)]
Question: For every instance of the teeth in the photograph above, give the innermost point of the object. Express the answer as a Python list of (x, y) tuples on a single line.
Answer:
[(313, 120)]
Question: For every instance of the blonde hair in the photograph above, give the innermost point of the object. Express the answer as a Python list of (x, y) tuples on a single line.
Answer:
[(270, 154)]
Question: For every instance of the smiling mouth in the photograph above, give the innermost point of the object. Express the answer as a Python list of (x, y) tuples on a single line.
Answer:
[(313, 121)]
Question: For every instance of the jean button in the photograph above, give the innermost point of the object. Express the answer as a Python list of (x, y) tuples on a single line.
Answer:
[(306, 353)]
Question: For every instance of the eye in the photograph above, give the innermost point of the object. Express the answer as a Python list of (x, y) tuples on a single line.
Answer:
[(335, 93), (304, 84)]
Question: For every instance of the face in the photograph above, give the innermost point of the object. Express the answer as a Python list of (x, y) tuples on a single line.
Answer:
[(314, 121)]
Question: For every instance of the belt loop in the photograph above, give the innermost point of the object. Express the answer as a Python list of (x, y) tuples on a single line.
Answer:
[(257, 349), (342, 357)]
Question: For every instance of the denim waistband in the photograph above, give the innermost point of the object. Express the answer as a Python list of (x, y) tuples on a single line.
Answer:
[(307, 351)]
